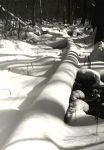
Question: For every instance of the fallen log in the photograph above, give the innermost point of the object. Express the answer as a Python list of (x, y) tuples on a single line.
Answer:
[(59, 43), (12, 15)]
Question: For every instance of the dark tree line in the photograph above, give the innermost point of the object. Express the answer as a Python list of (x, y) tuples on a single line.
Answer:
[(66, 11), (99, 20), (61, 10)]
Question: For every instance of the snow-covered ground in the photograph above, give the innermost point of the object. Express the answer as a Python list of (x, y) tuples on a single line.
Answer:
[(24, 72), (23, 68)]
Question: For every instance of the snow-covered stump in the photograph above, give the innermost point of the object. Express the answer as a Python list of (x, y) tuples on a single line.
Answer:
[(43, 126)]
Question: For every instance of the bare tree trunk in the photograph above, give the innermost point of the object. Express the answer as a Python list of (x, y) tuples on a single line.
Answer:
[(33, 12), (99, 21), (84, 12), (68, 11), (40, 2)]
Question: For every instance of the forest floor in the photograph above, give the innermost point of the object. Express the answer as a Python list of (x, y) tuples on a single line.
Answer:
[(26, 67)]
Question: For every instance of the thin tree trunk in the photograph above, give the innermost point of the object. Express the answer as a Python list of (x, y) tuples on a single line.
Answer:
[(84, 12), (40, 2), (68, 11), (33, 12)]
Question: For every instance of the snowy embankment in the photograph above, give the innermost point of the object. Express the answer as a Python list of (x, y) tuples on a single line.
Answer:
[(23, 68), (33, 107), (24, 59)]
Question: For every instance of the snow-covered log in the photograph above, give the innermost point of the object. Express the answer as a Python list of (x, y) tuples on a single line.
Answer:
[(58, 43), (12, 15)]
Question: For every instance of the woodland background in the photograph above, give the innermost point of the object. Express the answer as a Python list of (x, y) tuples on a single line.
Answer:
[(66, 11)]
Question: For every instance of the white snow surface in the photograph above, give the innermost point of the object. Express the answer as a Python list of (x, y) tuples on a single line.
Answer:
[(26, 68)]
